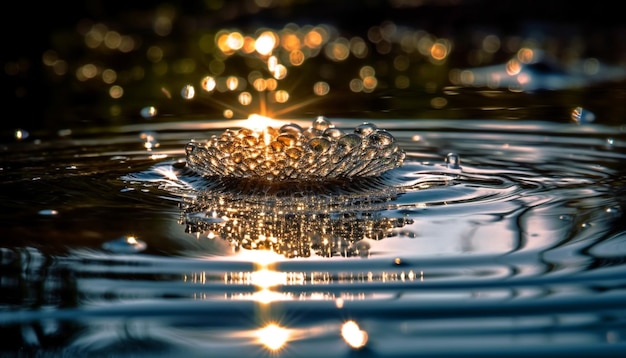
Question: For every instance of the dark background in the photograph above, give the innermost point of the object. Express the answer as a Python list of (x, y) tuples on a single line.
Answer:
[(33, 99)]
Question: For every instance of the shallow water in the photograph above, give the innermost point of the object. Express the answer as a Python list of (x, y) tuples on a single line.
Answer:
[(519, 250)]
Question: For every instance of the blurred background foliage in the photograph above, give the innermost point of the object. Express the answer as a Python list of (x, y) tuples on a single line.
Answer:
[(103, 62)]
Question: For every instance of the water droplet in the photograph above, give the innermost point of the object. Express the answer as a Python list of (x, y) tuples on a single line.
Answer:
[(319, 144), (293, 153), (380, 139), (321, 124), (188, 92), (334, 133), (288, 140), (190, 148), (347, 143), (610, 143), (291, 128), (365, 129), (453, 161), (583, 116), (48, 212), (125, 245), (148, 112)]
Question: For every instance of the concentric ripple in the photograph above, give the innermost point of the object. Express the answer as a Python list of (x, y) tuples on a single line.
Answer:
[(291, 153)]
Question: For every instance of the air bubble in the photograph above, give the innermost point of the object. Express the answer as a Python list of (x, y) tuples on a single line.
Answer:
[(321, 124), (319, 144), (453, 161), (334, 133), (365, 129), (380, 139)]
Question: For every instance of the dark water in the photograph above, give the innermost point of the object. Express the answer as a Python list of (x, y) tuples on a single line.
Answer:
[(519, 251), (502, 233)]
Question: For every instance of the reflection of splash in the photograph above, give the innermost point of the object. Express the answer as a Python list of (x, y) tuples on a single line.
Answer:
[(325, 219)]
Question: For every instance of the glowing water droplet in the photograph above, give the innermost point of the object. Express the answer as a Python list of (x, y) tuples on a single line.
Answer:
[(288, 140), (125, 245), (453, 160), (583, 116), (188, 92), (48, 212), (148, 112)]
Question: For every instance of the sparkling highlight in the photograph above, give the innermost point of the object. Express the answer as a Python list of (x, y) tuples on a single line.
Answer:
[(291, 153)]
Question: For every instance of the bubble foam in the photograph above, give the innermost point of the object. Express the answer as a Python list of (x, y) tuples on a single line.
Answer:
[(291, 153)]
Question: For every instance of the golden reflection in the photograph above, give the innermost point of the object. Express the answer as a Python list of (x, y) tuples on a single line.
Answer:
[(273, 336), (265, 278), (353, 334), (311, 219)]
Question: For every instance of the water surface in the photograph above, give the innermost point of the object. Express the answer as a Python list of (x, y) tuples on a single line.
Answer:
[(518, 250)]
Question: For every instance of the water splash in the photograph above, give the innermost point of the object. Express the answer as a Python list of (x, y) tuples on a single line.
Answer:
[(291, 153)]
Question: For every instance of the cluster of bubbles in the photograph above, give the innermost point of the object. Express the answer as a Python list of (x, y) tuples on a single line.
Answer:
[(291, 153)]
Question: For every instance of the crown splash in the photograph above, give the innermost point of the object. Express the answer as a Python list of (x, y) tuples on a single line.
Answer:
[(290, 153)]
